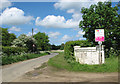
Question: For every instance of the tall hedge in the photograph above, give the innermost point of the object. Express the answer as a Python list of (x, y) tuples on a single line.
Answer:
[(69, 48), (16, 58), (13, 50)]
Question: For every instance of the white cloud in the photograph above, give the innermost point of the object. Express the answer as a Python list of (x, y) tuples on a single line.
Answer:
[(70, 6), (9, 32), (82, 38), (36, 29), (30, 33), (80, 33), (70, 11), (66, 38), (56, 22), (15, 29), (54, 34), (4, 4), (14, 16), (74, 7), (75, 4)]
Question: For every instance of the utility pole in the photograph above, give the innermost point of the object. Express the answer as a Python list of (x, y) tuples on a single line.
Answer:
[(32, 32), (32, 37)]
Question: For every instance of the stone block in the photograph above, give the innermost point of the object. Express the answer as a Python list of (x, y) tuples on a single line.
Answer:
[(89, 55)]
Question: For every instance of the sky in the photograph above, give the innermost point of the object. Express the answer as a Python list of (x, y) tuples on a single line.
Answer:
[(59, 20)]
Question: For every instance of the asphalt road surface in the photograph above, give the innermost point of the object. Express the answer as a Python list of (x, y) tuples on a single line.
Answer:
[(16, 70)]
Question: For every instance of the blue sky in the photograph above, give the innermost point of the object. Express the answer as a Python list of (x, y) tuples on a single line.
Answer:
[(59, 20)]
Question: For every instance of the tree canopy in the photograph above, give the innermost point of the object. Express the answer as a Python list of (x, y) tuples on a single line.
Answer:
[(25, 41), (7, 37), (42, 41), (102, 16)]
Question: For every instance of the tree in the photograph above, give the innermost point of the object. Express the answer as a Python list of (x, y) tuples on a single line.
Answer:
[(55, 47), (119, 4), (102, 16), (7, 37), (62, 46), (20, 41), (25, 41), (42, 41)]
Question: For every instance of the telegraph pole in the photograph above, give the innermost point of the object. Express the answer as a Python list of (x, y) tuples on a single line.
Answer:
[(32, 37), (32, 32)]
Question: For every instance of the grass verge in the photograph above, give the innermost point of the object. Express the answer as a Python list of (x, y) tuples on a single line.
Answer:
[(42, 66), (12, 59), (111, 65)]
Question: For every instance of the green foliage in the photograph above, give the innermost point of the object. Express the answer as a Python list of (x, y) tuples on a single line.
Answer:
[(62, 46), (69, 48), (47, 52), (0, 36), (7, 37), (102, 16), (55, 47), (13, 50), (39, 49), (26, 42), (114, 53), (16, 58), (42, 41), (111, 65), (118, 4)]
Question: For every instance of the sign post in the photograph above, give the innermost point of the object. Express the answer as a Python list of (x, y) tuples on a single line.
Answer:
[(33, 47), (100, 55), (99, 37)]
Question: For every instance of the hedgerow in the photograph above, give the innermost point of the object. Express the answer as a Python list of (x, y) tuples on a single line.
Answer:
[(69, 49), (16, 58), (13, 50)]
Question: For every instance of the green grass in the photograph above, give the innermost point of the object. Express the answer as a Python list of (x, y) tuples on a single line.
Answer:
[(111, 65), (12, 59), (42, 66)]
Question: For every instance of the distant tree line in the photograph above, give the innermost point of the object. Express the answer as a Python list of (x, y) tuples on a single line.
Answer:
[(57, 47), (39, 41)]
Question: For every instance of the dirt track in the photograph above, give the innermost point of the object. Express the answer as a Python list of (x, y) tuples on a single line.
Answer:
[(13, 71), (49, 74)]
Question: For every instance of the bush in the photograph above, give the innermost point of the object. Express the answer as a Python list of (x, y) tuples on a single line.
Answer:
[(112, 53), (69, 48), (47, 52), (16, 58), (39, 49), (25, 42), (13, 50)]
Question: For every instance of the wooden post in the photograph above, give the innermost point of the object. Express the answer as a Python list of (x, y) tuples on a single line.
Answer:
[(32, 32), (32, 37)]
